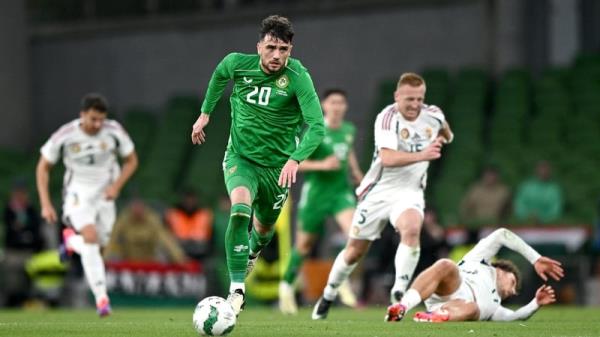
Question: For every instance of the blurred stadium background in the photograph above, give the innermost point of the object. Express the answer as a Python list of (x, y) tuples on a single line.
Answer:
[(519, 82)]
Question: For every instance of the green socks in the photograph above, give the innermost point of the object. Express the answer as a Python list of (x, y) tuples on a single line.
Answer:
[(259, 241), (236, 241), (293, 267)]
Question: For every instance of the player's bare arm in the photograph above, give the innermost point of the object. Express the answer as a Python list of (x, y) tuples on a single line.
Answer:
[(198, 135), (42, 174), (130, 164), (393, 158), (446, 133), (330, 163), (357, 173)]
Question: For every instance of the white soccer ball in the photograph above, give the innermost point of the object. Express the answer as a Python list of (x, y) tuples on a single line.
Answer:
[(214, 316)]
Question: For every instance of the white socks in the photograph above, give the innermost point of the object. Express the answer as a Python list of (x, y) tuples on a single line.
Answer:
[(411, 299), (93, 266), (237, 285), (75, 242), (406, 261), (338, 274)]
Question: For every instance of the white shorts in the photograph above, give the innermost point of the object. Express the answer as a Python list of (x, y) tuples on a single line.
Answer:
[(464, 292), (84, 206), (376, 210)]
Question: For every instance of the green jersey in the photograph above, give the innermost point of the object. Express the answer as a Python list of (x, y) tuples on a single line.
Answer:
[(338, 142), (268, 111)]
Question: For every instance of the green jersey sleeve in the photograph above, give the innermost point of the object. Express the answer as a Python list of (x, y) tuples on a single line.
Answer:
[(220, 77), (313, 117)]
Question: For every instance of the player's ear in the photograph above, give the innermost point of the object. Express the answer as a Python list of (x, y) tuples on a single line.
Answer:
[(258, 47), (396, 94)]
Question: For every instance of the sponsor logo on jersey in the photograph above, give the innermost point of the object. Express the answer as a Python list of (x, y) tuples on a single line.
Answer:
[(75, 147), (247, 80), (282, 82), (355, 230), (404, 133), (103, 146), (232, 170)]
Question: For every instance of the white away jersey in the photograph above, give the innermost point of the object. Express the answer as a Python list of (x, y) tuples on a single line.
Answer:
[(394, 132), (477, 271), (90, 160)]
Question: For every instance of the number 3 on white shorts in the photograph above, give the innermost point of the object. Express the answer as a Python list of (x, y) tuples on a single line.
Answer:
[(280, 201)]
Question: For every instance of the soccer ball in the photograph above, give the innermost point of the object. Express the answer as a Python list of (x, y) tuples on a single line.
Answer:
[(214, 316)]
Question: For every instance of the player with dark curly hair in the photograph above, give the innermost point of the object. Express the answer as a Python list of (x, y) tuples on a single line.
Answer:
[(273, 98)]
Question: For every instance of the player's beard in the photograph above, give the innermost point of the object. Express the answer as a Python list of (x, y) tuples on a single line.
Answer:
[(269, 66)]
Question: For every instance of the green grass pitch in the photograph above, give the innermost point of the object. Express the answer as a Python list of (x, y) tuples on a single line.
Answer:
[(264, 322)]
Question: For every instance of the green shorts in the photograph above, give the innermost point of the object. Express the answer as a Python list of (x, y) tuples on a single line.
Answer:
[(262, 182), (315, 208)]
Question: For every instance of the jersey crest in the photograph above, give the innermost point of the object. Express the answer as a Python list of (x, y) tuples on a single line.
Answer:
[(282, 82)]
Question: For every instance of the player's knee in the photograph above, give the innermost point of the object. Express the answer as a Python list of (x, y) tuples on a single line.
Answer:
[(410, 232), (89, 234), (445, 265), (239, 195), (262, 229)]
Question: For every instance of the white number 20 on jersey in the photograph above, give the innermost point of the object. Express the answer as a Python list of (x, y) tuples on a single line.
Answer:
[(263, 95)]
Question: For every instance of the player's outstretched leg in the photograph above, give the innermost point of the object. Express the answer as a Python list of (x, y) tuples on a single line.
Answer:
[(343, 266), (236, 249), (455, 310), (408, 225), (442, 278), (344, 220), (93, 265)]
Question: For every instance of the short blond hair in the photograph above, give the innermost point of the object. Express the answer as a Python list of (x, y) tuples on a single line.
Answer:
[(412, 79)]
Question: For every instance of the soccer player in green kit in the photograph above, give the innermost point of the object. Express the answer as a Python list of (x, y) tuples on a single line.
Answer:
[(273, 97), (326, 192)]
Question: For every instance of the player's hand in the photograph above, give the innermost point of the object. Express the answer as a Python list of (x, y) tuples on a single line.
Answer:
[(198, 135), (330, 163), (49, 214), (432, 152), (545, 295), (545, 267), (111, 192), (288, 173)]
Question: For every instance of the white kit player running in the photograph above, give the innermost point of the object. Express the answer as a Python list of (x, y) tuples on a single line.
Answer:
[(474, 288), (93, 179), (408, 134)]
